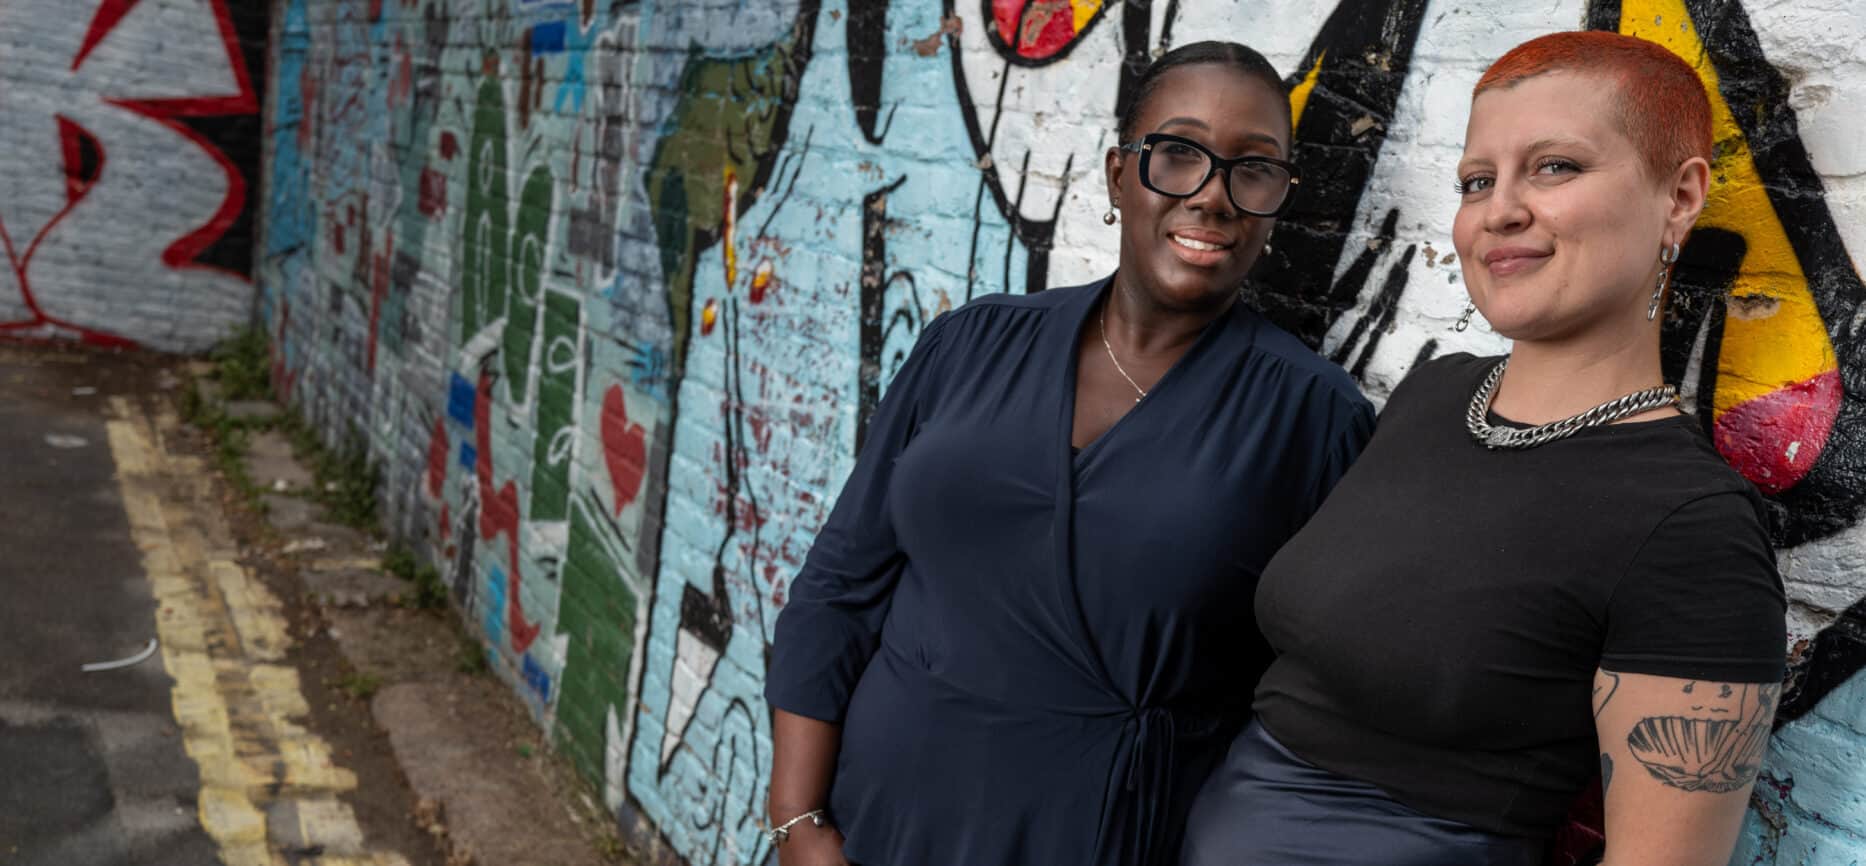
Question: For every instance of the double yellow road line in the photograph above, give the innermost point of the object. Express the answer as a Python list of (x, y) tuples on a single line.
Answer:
[(269, 787)]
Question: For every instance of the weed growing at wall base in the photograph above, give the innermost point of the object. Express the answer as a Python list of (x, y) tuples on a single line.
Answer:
[(239, 373), (346, 478)]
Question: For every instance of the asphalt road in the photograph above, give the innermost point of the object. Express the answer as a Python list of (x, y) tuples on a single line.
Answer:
[(92, 770)]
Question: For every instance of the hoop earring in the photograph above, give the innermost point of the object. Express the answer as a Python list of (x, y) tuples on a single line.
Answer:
[(1464, 321), (1109, 217), (1668, 256)]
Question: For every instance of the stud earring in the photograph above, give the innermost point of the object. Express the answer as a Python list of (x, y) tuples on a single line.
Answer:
[(1267, 249), (1464, 321), (1109, 217), (1668, 256)]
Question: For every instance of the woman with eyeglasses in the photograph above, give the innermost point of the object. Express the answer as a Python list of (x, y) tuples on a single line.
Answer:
[(1541, 572), (1024, 635)]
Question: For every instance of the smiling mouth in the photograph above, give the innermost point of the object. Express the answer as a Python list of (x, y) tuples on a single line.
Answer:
[(1201, 246)]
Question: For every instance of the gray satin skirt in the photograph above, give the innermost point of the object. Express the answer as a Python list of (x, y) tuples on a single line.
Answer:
[(1264, 806)]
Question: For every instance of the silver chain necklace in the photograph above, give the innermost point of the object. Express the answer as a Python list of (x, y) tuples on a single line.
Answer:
[(1117, 361), (1493, 437)]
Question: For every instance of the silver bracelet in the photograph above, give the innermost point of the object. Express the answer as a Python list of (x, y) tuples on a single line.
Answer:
[(777, 835)]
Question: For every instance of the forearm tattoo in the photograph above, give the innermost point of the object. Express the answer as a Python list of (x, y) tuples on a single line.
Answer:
[(1718, 748), (1603, 691)]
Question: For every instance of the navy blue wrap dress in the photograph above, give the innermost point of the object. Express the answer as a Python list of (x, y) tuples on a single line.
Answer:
[(1036, 656)]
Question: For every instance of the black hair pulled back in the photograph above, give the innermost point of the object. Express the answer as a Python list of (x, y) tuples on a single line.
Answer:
[(1241, 58)]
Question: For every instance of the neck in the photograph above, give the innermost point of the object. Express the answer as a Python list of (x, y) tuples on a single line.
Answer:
[(1551, 380), (1143, 326)]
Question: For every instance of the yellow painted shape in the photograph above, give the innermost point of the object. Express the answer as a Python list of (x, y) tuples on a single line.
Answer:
[(732, 222), (257, 614), (231, 818), (1771, 349), (218, 629), (1084, 10), (1299, 95), (328, 822)]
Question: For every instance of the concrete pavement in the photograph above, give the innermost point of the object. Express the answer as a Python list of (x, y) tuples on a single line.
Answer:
[(92, 765), (198, 754)]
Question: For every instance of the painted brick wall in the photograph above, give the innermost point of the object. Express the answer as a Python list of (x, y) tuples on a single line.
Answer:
[(610, 287), (132, 134)]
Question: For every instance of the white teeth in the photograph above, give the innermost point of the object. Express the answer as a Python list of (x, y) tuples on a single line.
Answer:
[(1195, 245)]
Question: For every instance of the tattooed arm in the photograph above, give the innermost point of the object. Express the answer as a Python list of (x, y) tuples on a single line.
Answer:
[(1678, 759)]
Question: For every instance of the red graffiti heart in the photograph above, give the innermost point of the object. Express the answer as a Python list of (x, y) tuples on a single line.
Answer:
[(625, 448)]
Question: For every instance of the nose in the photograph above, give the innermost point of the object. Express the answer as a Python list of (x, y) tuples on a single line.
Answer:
[(1213, 197), (1505, 212)]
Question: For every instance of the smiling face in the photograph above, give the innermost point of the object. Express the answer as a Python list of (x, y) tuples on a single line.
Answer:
[(1192, 253), (1561, 224)]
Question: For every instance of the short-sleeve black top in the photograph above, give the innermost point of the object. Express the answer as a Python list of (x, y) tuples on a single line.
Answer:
[(1439, 621)]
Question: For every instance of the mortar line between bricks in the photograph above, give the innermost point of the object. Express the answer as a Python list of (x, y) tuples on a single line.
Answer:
[(219, 629)]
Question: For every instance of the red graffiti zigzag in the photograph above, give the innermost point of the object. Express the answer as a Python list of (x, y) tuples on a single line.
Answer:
[(108, 14), (182, 253), (168, 113), (72, 139), (438, 447), (498, 513)]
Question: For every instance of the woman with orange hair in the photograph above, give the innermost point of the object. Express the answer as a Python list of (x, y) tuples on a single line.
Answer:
[(1540, 569)]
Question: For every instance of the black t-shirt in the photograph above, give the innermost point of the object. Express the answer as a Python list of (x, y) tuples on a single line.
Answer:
[(1438, 622)]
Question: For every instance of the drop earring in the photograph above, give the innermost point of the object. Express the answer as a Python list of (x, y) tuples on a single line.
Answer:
[(1668, 256), (1464, 321), (1109, 217)]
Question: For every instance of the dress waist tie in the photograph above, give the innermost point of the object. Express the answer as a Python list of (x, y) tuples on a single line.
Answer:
[(1149, 785)]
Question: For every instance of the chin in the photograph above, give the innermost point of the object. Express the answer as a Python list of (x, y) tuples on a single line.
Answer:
[(1194, 298), (1197, 290), (1532, 326)]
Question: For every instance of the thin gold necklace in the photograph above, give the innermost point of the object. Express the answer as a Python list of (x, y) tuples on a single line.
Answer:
[(1117, 361)]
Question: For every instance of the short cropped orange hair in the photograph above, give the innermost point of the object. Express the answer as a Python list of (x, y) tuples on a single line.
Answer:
[(1663, 107)]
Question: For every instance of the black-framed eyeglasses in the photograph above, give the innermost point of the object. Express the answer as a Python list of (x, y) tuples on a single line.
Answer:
[(1179, 167)]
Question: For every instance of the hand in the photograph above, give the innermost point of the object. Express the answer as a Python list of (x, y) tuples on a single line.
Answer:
[(810, 845)]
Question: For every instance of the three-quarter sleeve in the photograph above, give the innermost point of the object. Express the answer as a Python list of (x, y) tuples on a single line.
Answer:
[(1351, 424), (831, 624), (1702, 599)]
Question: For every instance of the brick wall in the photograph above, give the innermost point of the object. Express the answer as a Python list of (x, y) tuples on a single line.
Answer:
[(609, 287), (132, 139)]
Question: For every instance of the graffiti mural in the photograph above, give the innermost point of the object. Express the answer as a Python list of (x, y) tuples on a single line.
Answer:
[(610, 289), (123, 207)]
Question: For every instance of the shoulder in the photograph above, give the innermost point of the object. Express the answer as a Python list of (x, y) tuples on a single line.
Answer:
[(1457, 369), (1305, 368), (988, 313), (1432, 386), (1717, 505), (1048, 299), (1691, 476)]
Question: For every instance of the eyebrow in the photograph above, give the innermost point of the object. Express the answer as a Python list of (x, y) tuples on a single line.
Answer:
[(1557, 141), (1554, 141), (1259, 137)]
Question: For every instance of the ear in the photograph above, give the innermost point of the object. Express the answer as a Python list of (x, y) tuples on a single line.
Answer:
[(1113, 165), (1690, 185)]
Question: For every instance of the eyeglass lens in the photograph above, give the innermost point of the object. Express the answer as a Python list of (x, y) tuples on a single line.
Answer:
[(1177, 169)]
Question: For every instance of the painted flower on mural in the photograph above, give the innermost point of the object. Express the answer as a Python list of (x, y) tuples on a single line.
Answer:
[(1040, 29), (87, 105), (761, 281)]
